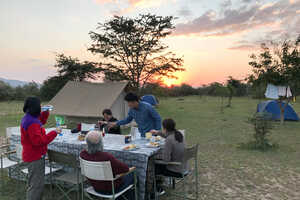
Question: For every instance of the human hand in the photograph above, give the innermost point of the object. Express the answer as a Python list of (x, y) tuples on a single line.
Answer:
[(155, 132), (111, 124), (102, 122), (58, 130)]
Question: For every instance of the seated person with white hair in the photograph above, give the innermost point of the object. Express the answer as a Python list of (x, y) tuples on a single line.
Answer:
[(95, 153)]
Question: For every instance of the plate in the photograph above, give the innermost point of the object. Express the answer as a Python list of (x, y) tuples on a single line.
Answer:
[(129, 148), (153, 144)]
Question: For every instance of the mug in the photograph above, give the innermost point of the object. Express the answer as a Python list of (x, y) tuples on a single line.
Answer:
[(127, 139)]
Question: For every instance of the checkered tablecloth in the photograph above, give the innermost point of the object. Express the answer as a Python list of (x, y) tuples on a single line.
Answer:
[(114, 144)]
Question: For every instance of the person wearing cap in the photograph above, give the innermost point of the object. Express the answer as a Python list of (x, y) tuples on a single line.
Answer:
[(146, 117), (34, 141), (95, 153)]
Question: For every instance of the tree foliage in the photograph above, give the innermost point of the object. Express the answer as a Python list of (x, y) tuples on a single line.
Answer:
[(18, 93), (279, 65), (72, 69), (69, 69), (132, 49)]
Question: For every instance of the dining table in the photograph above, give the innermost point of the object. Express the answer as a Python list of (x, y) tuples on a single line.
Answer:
[(138, 157)]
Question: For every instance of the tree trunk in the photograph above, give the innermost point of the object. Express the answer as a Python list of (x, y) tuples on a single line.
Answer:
[(222, 109), (282, 109), (229, 101)]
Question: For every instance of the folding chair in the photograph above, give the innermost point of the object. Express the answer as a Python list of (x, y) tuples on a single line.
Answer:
[(69, 178), (189, 154), (13, 165), (19, 149), (102, 171)]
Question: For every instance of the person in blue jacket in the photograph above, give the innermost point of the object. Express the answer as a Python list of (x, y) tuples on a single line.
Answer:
[(146, 117)]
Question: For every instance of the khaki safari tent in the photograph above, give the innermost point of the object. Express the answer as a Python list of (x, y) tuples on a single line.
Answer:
[(84, 101)]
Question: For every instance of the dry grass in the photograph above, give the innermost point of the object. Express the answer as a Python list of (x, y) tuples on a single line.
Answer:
[(227, 172)]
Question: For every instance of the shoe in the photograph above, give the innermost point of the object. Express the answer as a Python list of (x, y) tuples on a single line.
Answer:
[(160, 191)]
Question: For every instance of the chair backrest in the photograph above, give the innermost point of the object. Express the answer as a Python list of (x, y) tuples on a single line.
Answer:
[(11, 130), (191, 152), (4, 144), (63, 158), (19, 149), (100, 171)]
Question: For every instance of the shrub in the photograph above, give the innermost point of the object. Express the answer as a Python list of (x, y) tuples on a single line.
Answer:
[(262, 125)]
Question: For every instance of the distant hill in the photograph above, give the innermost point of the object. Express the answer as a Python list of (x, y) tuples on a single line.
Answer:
[(15, 83)]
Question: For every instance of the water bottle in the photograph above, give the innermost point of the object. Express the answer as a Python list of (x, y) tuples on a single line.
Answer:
[(58, 127), (45, 108)]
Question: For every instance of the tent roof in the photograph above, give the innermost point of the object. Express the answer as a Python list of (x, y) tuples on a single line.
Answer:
[(85, 99)]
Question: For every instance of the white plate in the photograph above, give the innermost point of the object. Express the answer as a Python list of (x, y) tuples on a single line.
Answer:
[(151, 146), (131, 149)]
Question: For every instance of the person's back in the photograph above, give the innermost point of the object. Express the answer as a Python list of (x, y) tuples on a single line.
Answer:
[(117, 167), (174, 152)]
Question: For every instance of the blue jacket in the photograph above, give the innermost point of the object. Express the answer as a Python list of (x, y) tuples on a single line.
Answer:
[(145, 116)]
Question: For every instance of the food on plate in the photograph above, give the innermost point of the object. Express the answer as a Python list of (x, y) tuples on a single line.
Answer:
[(132, 146), (154, 144), (81, 137), (157, 138), (148, 135)]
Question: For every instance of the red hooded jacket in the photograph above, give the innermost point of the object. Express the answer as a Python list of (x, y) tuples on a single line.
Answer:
[(34, 138)]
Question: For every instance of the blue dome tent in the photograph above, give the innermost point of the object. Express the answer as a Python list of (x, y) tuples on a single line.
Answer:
[(273, 108), (151, 99)]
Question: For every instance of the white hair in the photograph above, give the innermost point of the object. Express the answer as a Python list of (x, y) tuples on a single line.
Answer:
[(94, 142)]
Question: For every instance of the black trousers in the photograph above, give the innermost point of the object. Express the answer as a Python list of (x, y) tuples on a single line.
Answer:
[(162, 170)]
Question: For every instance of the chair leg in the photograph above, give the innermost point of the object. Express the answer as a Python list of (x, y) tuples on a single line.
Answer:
[(155, 189), (173, 183), (135, 188), (184, 189)]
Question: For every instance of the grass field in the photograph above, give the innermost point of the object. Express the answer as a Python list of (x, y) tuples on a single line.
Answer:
[(226, 172)]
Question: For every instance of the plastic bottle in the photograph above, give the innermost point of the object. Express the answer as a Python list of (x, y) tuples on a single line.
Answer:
[(103, 132), (58, 127)]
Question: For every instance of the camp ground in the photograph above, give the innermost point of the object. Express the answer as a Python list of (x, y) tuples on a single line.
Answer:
[(150, 100)]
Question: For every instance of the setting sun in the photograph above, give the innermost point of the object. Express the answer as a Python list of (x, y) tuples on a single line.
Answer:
[(173, 81), (169, 82)]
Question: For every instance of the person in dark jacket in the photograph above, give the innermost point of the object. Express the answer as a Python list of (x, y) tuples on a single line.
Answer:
[(108, 117), (34, 141), (94, 152)]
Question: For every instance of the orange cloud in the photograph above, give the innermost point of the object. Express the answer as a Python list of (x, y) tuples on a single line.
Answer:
[(135, 3)]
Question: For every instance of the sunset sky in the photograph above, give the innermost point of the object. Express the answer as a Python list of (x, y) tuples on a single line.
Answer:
[(215, 37)]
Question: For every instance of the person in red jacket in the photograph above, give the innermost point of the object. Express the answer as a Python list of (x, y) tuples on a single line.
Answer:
[(95, 153), (34, 141)]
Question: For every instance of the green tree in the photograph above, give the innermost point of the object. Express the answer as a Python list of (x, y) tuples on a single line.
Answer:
[(6, 91), (132, 49), (69, 69), (235, 88), (51, 87), (280, 66), (72, 69)]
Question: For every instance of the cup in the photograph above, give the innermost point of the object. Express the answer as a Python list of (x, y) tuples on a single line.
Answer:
[(133, 134), (127, 139)]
